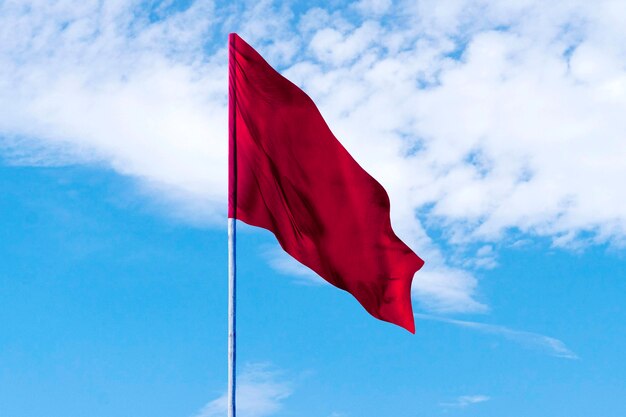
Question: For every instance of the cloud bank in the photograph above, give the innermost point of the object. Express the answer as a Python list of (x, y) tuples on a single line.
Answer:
[(487, 122)]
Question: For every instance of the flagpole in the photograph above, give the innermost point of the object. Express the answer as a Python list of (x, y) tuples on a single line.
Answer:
[(232, 231), (232, 353)]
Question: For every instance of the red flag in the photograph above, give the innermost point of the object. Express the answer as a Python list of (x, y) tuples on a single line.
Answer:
[(290, 175)]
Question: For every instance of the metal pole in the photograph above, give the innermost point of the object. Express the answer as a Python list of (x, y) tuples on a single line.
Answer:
[(232, 229), (232, 290)]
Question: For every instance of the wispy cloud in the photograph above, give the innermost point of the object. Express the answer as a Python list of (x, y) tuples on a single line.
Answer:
[(466, 400), (261, 391), (530, 340)]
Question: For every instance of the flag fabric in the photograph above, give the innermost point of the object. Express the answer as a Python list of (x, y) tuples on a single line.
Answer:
[(290, 175)]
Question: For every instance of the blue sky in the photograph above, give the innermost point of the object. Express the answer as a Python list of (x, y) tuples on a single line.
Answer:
[(496, 127)]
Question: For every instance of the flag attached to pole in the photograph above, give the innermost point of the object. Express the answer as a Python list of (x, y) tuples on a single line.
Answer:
[(290, 175)]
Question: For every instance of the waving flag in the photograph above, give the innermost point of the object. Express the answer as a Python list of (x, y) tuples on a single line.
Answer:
[(290, 175)]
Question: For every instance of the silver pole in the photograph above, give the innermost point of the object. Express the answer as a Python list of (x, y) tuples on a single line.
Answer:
[(231, 316)]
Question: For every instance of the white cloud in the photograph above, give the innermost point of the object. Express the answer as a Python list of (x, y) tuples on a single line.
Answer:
[(446, 290), (330, 45), (465, 400), (480, 118), (373, 7), (111, 87), (261, 391), (530, 340)]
